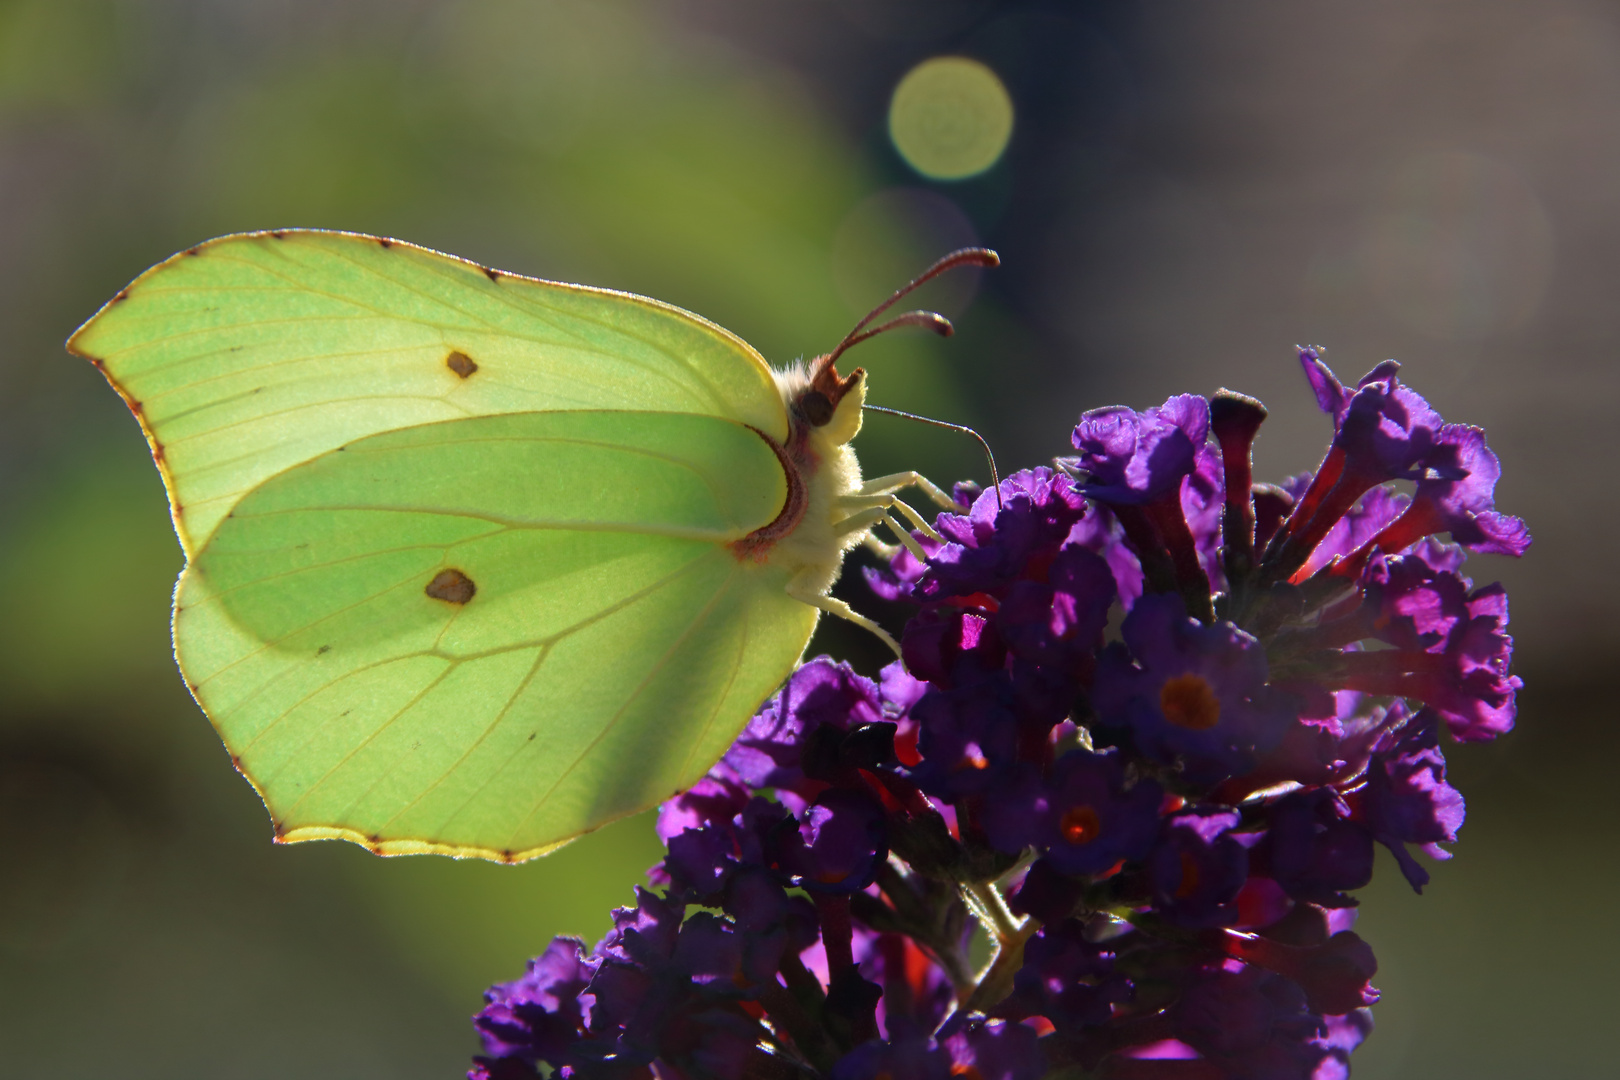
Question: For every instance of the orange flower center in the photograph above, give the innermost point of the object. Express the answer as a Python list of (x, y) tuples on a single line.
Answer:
[(1189, 702), (1080, 825)]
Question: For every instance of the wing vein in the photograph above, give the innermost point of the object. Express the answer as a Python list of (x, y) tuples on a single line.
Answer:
[(500, 715), (369, 739), (731, 680), (631, 700)]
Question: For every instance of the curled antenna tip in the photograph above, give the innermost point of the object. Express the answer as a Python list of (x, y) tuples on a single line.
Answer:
[(938, 323), (974, 256), (928, 320)]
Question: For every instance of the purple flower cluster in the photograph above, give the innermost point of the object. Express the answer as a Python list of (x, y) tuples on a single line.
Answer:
[(1151, 721)]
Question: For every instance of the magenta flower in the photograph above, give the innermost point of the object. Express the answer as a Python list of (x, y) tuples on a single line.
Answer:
[(1135, 457), (1151, 721)]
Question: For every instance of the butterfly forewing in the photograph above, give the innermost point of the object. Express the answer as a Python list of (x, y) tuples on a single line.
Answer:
[(252, 353)]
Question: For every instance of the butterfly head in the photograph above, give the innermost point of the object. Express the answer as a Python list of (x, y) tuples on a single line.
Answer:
[(832, 403)]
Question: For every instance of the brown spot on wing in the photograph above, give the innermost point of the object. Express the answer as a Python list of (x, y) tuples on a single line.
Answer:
[(279, 234), (460, 363), (451, 586), (194, 251), (123, 294), (385, 242), (494, 274)]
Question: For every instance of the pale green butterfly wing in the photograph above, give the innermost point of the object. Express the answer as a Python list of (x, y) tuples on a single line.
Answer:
[(591, 647), (252, 353), (597, 645)]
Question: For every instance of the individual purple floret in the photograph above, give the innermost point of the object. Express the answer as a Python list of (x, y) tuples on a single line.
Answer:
[(1085, 816), (895, 579), (1203, 496), (841, 840), (1198, 867), (1383, 431), (540, 1016), (1151, 720), (998, 543), (1059, 622), (767, 753), (1462, 505), (1450, 650), (1407, 799), (1136, 457), (1355, 531), (1190, 694), (1148, 468), (1313, 849)]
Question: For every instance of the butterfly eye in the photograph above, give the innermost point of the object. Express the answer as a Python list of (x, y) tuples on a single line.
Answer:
[(816, 407)]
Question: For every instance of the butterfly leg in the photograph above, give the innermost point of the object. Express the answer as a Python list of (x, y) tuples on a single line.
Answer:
[(802, 588), (872, 509), (886, 552), (888, 485)]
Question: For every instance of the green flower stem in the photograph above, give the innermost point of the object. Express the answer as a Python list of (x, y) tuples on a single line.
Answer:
[(991, 909), (997, 980)]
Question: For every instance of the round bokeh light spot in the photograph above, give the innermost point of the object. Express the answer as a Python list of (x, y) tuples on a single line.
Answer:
[(950, 118)]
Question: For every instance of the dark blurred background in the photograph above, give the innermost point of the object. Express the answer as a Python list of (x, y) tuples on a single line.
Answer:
[(1189, 190)]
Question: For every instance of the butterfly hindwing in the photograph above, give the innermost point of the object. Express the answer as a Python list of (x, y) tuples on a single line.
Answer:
[(486, 636)]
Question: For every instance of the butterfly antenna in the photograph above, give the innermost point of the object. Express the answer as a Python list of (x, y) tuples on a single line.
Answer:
[(928, 319), (995, 477)]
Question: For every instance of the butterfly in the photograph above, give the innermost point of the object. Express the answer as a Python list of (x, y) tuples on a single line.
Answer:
[(475, 562)]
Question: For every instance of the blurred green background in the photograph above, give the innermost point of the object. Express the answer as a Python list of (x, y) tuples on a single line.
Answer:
[(1189, 190)]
